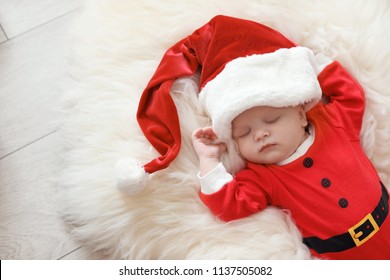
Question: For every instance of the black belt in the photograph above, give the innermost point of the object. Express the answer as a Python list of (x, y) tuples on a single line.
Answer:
[(356, 235)]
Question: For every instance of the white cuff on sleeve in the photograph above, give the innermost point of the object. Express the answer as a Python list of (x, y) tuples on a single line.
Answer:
[(215, 179)]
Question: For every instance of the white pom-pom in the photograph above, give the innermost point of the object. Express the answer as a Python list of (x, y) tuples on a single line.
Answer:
[(130, 177)]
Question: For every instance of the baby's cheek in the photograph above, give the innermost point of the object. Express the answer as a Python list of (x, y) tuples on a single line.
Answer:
[(241, 145)]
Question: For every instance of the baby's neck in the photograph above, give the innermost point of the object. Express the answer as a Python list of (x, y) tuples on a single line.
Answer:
[(304, 145)]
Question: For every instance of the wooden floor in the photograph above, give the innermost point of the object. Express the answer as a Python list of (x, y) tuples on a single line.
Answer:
[(32, 77)]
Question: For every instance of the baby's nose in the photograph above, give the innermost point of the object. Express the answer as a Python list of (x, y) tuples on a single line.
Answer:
[(261, 134)]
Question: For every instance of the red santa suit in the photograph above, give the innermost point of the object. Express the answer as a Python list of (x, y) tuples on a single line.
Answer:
[(333, 191)]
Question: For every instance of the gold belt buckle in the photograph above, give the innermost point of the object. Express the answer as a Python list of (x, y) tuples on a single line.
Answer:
[(357, 234)]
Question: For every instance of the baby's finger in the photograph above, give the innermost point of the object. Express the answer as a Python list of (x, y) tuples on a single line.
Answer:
[(197, 133), (200, 133), (210, 132)]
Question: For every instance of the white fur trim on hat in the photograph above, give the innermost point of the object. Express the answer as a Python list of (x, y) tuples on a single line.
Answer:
[(286, 77), (130, 177)]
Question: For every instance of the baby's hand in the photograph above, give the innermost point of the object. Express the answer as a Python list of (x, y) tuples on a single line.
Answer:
[(203, 140)]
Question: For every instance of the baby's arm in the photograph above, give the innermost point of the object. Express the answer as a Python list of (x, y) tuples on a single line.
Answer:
[(227, 197), (346, 96), (209, 152)]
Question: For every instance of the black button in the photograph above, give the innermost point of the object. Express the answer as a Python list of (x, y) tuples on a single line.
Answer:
[(343, 203), (325, 182), (308, 162)]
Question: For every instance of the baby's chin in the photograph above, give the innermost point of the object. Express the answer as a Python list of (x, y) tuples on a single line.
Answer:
[(267, 161), (270, 157)]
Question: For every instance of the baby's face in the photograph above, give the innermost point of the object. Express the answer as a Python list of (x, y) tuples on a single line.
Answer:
[(268, 135)]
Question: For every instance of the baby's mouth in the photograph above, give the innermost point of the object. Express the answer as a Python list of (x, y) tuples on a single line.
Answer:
[(266, 147)]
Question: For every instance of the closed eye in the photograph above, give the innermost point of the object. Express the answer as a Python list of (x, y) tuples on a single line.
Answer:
[(273, 120), (241, 134)]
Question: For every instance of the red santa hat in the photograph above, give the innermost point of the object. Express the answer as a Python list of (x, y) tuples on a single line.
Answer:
[(243, 64), (286, 77)]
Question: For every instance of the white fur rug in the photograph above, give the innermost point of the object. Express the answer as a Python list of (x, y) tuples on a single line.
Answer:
[(115, 47)]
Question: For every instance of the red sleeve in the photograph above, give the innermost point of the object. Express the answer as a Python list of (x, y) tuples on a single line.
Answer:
[(237, 199), (346, 105)]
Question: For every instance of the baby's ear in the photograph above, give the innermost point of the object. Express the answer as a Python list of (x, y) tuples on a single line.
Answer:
[(302, 115)]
